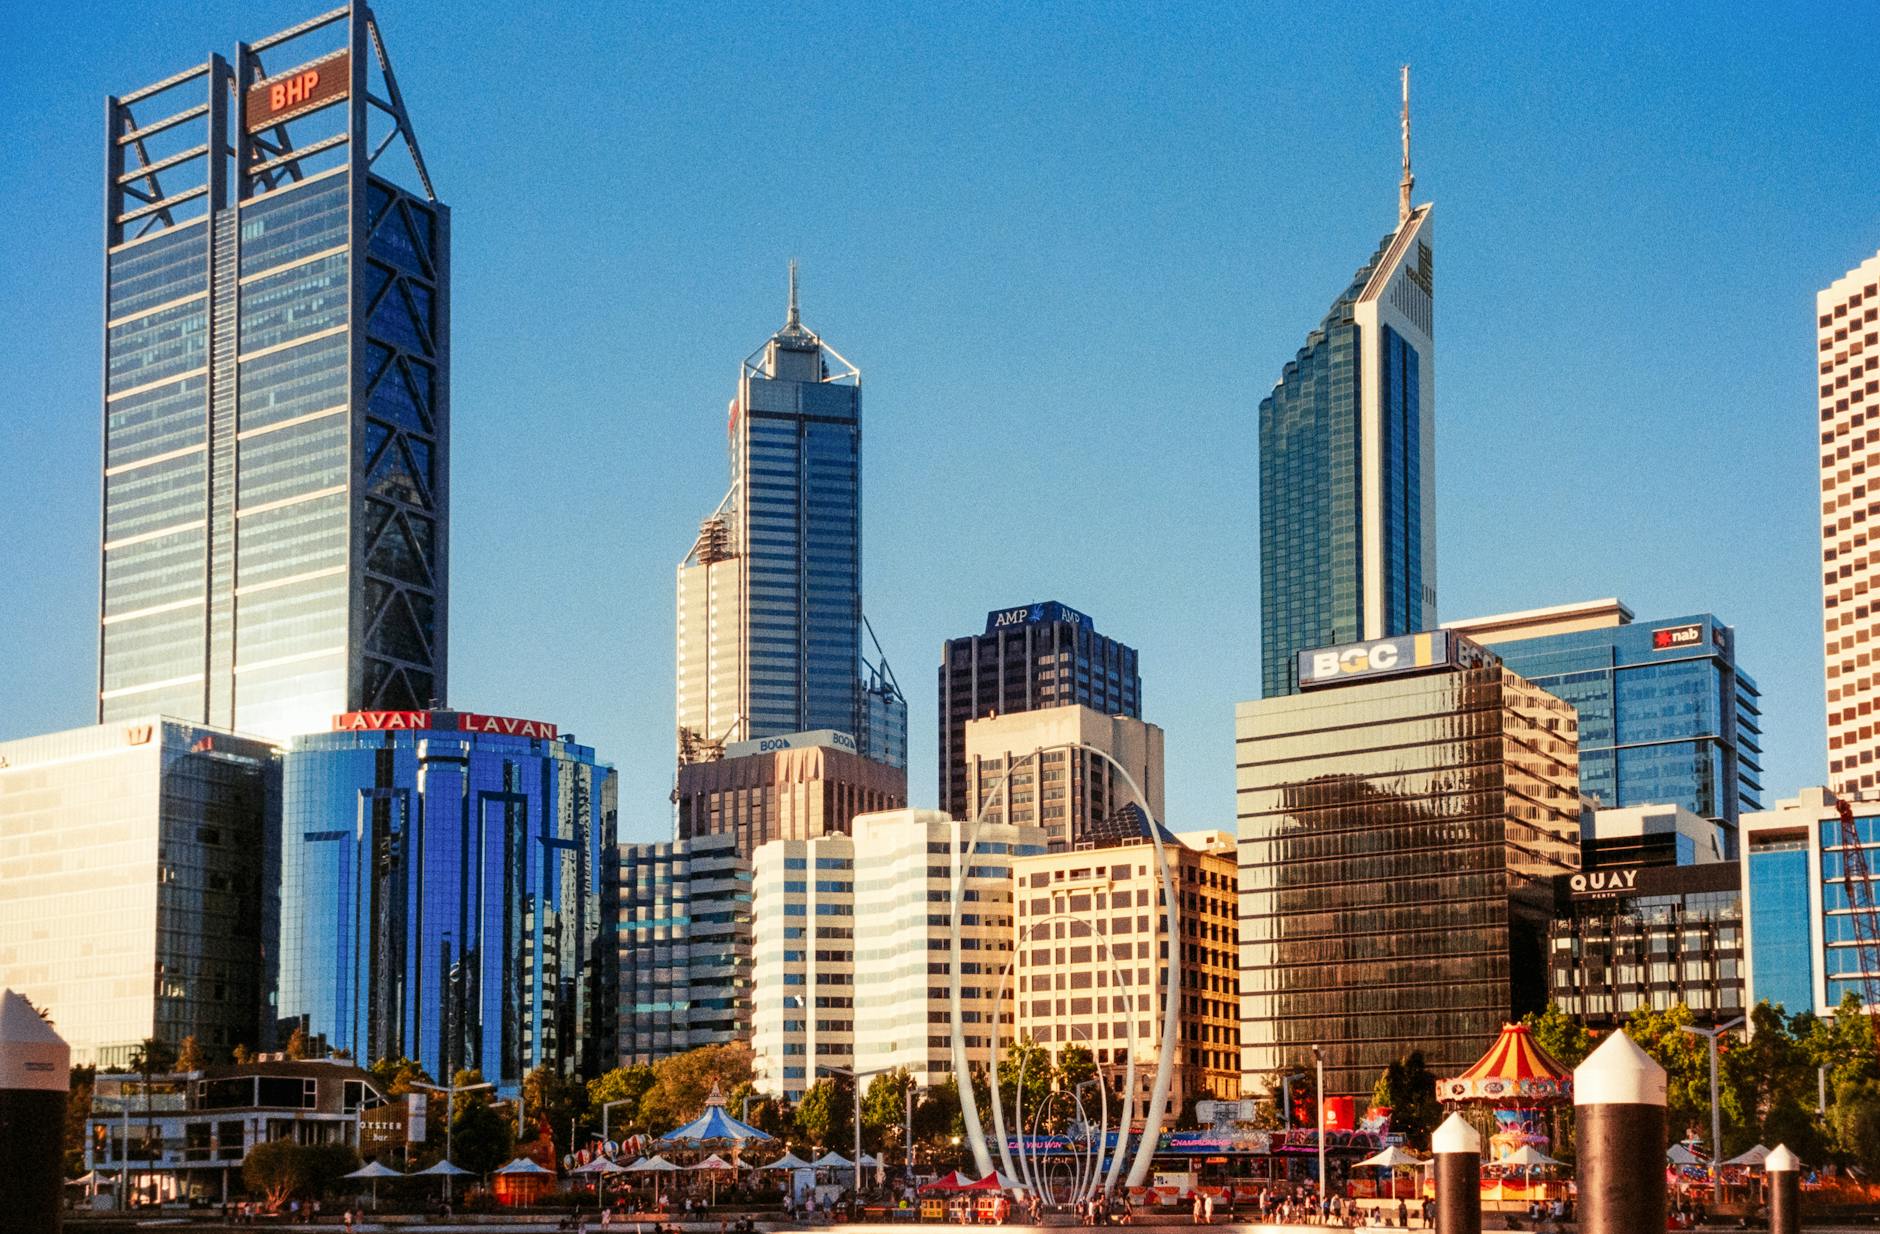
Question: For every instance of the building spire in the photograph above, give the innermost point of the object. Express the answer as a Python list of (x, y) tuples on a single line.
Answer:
[(1409, 182), (793, 323)]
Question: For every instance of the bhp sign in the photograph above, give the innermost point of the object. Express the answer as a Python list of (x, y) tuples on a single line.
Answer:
[(297, 92)]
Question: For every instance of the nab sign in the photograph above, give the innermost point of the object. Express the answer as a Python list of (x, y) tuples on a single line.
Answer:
[(1388, 657)]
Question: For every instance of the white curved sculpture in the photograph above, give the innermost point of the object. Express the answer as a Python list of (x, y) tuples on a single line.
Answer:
[(1165, 1059)]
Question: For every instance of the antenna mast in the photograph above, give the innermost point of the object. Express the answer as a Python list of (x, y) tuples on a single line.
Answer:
[(1408, 183)]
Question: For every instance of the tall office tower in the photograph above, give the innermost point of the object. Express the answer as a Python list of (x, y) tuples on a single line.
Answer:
[(1347, 460), (770, 593), (139, 882), (802, 962), (441, 894), (277, 425), (1042, 768), (1401, 823), (1029, 657), (1848, 319), (684, 920), (1666, 715)]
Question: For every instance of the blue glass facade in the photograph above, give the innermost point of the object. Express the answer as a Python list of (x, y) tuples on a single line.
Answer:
[(1666, 716), (1782, 956), (276, 408), (441, 898), (1346, 441)]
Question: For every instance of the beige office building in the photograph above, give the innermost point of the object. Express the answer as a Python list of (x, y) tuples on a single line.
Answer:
[(794, 787), (1093, 959), (1068, 791), (1848, 322)]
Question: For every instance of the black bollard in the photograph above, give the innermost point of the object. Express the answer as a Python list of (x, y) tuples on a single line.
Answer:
[(35, 1072), (1458, 1177), (1619, 1096), (1785, 1191)]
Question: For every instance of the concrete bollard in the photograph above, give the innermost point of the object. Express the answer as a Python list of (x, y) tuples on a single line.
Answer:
[(1458, 1149), (1619, 1096), (35, 1072), (1785, 1191)]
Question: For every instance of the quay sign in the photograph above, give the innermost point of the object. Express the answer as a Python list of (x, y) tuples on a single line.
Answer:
[(297, 92), (1602, 884), (459, 721), (1389, 657)]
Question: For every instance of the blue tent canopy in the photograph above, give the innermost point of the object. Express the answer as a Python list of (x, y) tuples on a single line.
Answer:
[(712, 1127)]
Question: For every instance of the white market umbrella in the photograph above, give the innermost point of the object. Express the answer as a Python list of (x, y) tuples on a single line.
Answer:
[(1752, 1158), (1392, 1158), (831, 1160), (374, 1171), (1681, 1154), (1528, 1155), (444, 1169), (650, 1165), (600, 1165), (523, 1165), (789, 1161)]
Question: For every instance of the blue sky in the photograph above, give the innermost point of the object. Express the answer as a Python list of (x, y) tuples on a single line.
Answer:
[(1069, 248)]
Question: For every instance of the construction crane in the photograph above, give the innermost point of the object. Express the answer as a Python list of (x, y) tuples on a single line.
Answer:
[(1857, 879)]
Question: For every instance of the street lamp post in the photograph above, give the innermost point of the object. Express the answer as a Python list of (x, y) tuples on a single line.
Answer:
[(855, 1086), (450, 1116), (1318, 1105), (1716, 1112)]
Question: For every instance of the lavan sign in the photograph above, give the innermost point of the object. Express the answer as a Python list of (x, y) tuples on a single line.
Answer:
[(1386, 657), (459, 721)]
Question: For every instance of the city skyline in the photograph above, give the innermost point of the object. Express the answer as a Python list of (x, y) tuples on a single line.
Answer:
[(1497, 554)]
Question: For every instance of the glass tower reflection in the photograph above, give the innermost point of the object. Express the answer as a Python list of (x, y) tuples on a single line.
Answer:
[(276, 392), (441, 897), (1398, 838)]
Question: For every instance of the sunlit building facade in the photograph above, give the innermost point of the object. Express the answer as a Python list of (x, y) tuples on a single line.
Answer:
[(441, 894), (1058, 768), (770, 627), (1848, 356), (276, 410), (1401, 822), (138, 866)]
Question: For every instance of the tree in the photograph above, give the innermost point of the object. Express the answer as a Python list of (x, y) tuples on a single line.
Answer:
[(1855, 1117), (1566, 1039), (826, 1111), (1686, 1060), (1024, 1075), (681, 1083), (554, 1102), (242, 1054), (884, 1110), (189, 1055), (298, 1046), (395, 1077), (625, 1084), (1075, 1065), (481, 1138), (937, 1117), (78, 1117), (1408, 1090), (282, 1170)]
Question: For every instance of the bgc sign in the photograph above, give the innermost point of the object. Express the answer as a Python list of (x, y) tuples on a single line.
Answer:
[(1389, 657)]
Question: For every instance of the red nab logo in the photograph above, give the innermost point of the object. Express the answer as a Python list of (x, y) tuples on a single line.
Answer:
[(1672, 637), (294, 90)]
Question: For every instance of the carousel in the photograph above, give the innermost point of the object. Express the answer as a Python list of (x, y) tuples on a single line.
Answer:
[(1511, 1094)]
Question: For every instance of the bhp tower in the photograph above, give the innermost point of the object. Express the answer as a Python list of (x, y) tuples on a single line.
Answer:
[(276, 403)]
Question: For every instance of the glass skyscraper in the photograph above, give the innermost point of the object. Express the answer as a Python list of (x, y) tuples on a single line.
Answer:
[(441, 894), (1666, 715), (1347, 462), (770, 626), (1399, 836), (684, 937), (276, 437)]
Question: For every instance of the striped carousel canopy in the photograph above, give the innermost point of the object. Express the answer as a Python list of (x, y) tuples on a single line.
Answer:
[(1515, 1073)]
